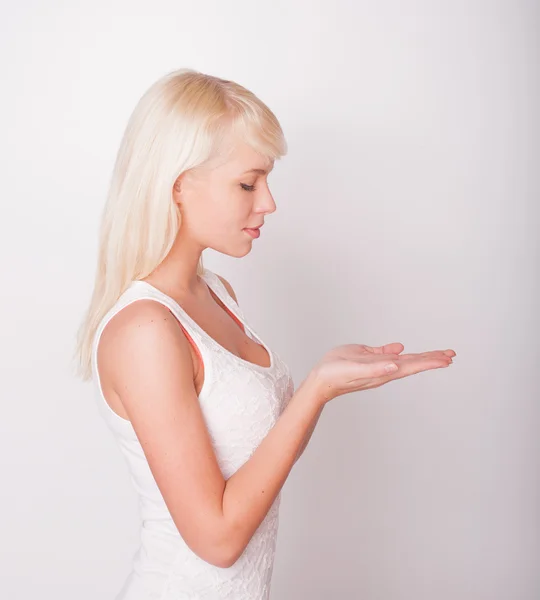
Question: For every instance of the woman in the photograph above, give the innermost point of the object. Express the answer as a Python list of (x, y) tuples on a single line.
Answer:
[(205, 413)]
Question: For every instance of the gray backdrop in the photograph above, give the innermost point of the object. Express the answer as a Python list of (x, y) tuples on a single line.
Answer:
[(407, 211)]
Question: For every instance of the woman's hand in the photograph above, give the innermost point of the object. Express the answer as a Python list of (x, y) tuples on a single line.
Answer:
[(354, 367)]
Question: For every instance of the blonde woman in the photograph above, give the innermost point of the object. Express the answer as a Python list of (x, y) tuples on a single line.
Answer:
[(205, 413)]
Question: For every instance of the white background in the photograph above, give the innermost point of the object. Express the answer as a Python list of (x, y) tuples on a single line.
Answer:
[(407, 211)]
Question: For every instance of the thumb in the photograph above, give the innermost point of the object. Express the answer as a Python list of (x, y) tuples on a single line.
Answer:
[(388, 367), (375, 368), (383, 367)]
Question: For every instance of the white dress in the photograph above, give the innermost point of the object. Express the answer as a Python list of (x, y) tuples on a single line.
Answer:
[(240, 401)]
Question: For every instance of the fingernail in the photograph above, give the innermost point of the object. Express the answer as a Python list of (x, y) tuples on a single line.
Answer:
[(390, 367)]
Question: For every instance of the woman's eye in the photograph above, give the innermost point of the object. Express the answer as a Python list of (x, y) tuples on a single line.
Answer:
[(248, 188)]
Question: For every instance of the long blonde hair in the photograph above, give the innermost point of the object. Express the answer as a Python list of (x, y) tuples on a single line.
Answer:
[(182, 122)]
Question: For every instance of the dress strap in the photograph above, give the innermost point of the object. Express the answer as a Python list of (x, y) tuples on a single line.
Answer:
[(140, 290), (218, 287)]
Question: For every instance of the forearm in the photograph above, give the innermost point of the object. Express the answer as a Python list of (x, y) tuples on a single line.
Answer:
[(308, 435), (251, 490)]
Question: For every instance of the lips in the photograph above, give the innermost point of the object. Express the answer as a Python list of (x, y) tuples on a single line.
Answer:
[(254, 232)]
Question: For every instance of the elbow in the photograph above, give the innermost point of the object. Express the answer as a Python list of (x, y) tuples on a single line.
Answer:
[(233, 554), (230, 559), (216, 541), (231, 543), (224, 562), (214, 554), (221, 551), (230, 552), (224, 558)]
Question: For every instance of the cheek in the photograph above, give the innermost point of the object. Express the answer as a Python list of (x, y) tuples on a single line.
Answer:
[(220, 216), (231, 209)]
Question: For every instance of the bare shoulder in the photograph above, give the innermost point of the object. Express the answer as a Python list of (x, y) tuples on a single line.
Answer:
[(229, 288), (153, 376), (142, 330)]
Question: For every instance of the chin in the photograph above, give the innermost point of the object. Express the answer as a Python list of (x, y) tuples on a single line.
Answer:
[(241, 253), (238, 252)]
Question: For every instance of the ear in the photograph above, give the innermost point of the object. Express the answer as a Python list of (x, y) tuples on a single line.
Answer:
[(183, 186), (177, 189)]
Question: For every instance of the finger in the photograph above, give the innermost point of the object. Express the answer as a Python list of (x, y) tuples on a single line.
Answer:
[(411, 367), (421, 364), (430, 354), (449, 353), (393, 348)]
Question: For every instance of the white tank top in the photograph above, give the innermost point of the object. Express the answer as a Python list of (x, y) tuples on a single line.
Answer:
[(240, 401)]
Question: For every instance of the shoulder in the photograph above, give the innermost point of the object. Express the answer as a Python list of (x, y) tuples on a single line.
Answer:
[(143, 333), (142, 317)]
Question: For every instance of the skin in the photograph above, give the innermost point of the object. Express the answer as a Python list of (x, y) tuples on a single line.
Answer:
[(216, 204), (151, 373)]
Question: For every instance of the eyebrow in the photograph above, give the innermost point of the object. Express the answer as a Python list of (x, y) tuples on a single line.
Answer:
[(259, 171)]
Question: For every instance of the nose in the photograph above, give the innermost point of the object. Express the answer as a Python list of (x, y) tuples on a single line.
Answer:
[(266, 203)]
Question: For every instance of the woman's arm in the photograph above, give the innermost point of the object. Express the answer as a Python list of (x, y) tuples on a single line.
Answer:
[(250, 492), (147, 358), (307, 438)]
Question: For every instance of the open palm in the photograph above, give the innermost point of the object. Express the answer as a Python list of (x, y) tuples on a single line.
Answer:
[(353, 367)]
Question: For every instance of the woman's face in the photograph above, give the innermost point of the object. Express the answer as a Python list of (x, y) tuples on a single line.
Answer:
[(218, 204)]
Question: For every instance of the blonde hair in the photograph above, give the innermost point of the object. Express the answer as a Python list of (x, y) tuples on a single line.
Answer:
[(183, 121)]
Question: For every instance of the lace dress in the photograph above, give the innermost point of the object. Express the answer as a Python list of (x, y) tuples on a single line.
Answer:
[(240, 401)]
